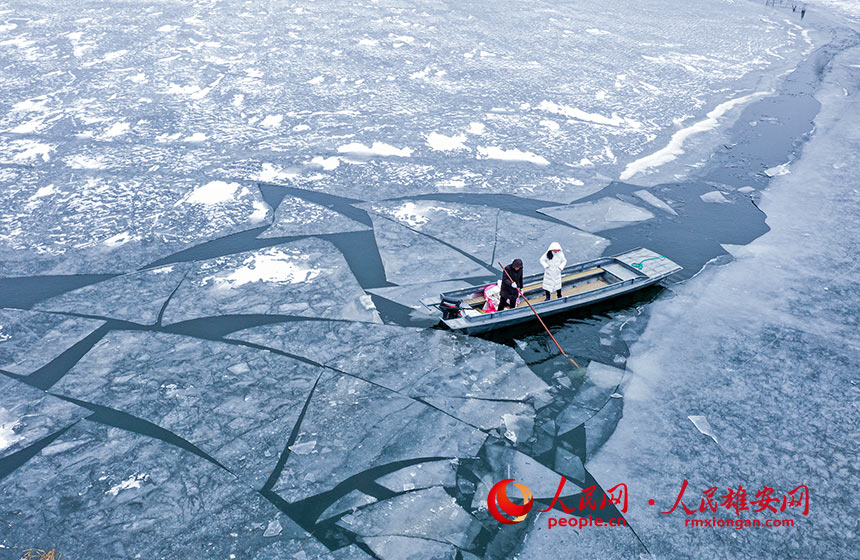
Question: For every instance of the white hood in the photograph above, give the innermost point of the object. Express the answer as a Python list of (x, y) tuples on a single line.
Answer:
[(554, 246)]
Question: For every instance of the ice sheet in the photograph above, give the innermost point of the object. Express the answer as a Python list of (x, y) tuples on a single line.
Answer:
[(93, 224), (605, 213), (296, 216), (235, 403), (527, 238), (28, 415), (420, 363), (488, 233), (394, 547), (100, 488), (32, 339), (429, 513), (358, 425), (422, 475), (351, 501), (507, 463), (137, 297), (468, 227), (308, 278), (410, 257)]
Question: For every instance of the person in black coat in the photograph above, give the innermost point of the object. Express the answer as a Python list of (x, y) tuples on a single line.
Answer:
[(509, 291)]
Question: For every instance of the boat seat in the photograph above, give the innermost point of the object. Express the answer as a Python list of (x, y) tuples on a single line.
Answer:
[(538, 286), (586, 287)]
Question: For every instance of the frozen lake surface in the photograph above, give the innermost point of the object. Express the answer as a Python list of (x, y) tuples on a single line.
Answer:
[(218, 219)]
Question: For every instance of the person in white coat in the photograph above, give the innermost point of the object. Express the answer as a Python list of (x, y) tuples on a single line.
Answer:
[(553, 263)]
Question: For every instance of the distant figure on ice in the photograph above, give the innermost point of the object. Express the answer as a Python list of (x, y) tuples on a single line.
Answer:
[(802, 12), (553, 263), (512, 283)]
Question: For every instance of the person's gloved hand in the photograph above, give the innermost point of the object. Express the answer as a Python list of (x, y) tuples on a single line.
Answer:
[(513, 284)]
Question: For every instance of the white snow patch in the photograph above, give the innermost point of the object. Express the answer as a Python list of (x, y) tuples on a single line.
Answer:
[(594, 31), (114, 55), (7, 429), (443, 143), (316, 81), (36, 104), (376, 149), (494, 152), (675, 146), (196, 137), (261, 211), (238, 99), (552, 125), (43, 192), (476, 128), (118, 239), (274, 266), (167, 28), (117, 129), (134, 481), (81, 161), (272, 121), (368, 42), (32, 150), (580, 115), (28, 127), (301, 128), (214, 192), (328, 164), (272, 173)]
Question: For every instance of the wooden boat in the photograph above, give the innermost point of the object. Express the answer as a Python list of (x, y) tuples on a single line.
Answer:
[(582, 284)]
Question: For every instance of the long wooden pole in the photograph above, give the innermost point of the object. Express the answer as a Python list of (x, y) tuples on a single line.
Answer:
[(560, 349)]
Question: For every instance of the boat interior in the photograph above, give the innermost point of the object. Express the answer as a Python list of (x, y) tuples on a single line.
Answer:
[(572, 284)]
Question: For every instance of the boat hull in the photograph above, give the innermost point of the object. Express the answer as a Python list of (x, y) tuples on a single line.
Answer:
[(547, 309)]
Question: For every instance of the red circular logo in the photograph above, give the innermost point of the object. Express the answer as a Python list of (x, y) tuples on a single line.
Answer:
[(498, 500)]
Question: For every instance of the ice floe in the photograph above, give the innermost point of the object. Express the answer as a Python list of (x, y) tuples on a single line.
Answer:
[(245, 428), (364, 425), (97, 483), (137, 297), (599, 215), (296, 216), (31, 339), (28, 415), (307, 278)]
